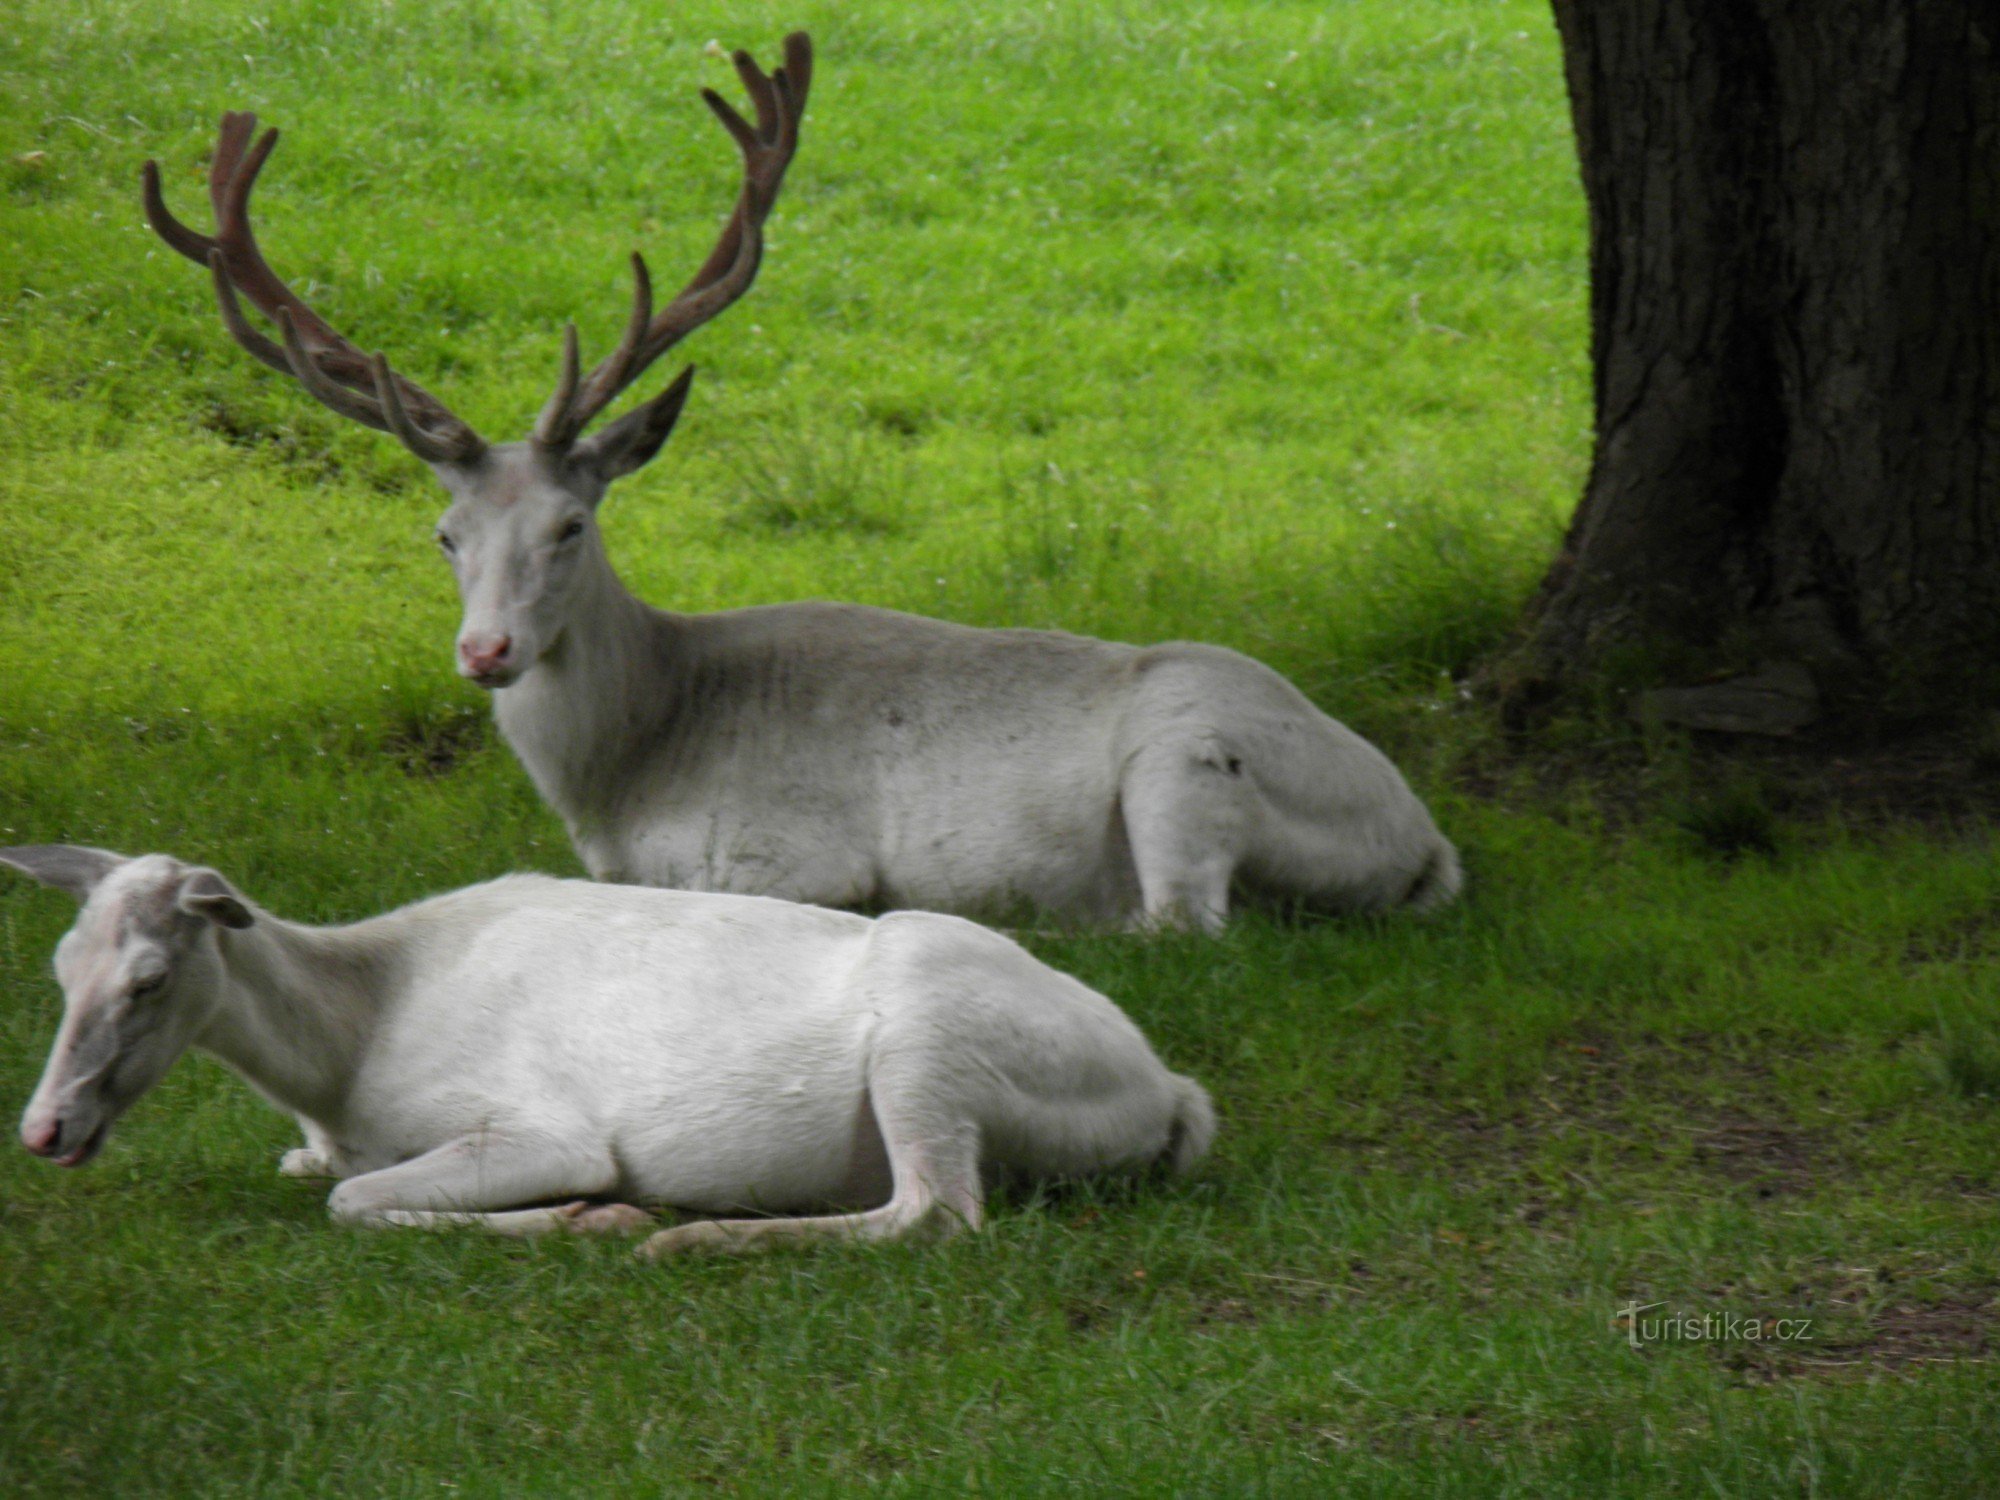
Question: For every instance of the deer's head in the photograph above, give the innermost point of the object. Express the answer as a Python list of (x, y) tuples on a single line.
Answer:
[(522, 517), (140, 979)]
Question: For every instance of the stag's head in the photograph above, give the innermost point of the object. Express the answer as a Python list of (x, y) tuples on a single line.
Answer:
[(140, 978), (522, 517)]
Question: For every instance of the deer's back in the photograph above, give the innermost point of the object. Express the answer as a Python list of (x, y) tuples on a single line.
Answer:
[(839, 753)]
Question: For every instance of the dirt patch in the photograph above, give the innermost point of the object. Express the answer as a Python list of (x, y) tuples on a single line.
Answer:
[(1085, 1317), (311, 462), (1767, 1157), (1964, 1326), (1225, 1312), (1968, 935), (1602, 1099), (1828, 1320), (428, 749), (1938, 780), (1897, 1335), (1265, 1296)]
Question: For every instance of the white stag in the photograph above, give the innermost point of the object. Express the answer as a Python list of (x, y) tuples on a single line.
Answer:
[(481, 1057), (828, 752)]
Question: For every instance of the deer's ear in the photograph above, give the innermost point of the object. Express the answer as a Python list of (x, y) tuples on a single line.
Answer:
[(630, 442), (67, 867), (206, 894)]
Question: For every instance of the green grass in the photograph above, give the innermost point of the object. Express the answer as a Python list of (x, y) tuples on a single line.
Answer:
[(1258, 323)]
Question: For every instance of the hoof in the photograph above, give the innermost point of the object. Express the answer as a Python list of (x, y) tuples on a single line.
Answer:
[(707, 1235), (303, 1161), (607, 1218)]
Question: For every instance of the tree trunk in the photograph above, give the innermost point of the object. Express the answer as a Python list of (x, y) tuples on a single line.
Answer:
[(1795, 326)]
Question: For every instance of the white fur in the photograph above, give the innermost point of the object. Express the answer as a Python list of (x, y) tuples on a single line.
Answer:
[(854, 756), (484, 1055)]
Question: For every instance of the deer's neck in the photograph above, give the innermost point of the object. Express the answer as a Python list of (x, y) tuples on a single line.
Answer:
[(595, 704), (299, 1005)]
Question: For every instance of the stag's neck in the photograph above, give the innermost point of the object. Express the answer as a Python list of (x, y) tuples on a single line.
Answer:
[(598, 699), (299, 1005)]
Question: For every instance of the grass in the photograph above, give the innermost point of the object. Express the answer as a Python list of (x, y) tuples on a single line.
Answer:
[(1261, 324)]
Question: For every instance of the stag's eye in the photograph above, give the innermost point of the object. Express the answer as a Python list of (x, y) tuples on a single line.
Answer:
[(149, 986), (572, 529), (450, 547)]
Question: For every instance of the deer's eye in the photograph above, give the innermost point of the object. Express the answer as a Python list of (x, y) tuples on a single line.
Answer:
[(450, 547), (149, 986), (572, 529)]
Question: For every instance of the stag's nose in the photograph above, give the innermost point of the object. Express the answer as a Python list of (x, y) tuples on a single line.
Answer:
[(40, 1136), (483, 655)]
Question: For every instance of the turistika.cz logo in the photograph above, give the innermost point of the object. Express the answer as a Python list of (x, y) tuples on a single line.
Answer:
[(1644, 1324)]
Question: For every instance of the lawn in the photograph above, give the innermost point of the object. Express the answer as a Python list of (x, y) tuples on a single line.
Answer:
[(1260, 323)]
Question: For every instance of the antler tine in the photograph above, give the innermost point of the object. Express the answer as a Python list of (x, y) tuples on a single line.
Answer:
[(549, 425), (794, 81), (238, 128), (196, 247), (767, 148), (779, 101), (611, 376), (238, 325), (313, 352), (304, 365), (427, 446), (763, 97), (247, 265)]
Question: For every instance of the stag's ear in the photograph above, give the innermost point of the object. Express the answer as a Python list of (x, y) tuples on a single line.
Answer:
[(67, 867), (630, 442), (207, 895)]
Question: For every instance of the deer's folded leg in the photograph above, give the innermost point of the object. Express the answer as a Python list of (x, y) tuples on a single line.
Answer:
[(490, 1180)]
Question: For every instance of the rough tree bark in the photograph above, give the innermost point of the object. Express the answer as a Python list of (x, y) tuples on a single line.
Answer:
[(1795, 326)]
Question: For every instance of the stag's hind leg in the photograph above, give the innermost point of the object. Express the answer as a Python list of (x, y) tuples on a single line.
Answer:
[(1209, 813), (1233, 781), (1186, 803)]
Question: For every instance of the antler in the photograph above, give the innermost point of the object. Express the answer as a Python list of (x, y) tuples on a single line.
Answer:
[(779, 100), (356, 385)]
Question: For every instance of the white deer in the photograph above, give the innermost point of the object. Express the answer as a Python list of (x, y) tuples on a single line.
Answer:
[(535, 1054), (828, 752)]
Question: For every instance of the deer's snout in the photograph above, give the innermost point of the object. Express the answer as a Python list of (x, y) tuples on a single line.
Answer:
[(69, 1138), (485, 658)]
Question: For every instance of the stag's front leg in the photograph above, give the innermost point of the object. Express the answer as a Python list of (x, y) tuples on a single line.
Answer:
[(483, 1180)]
